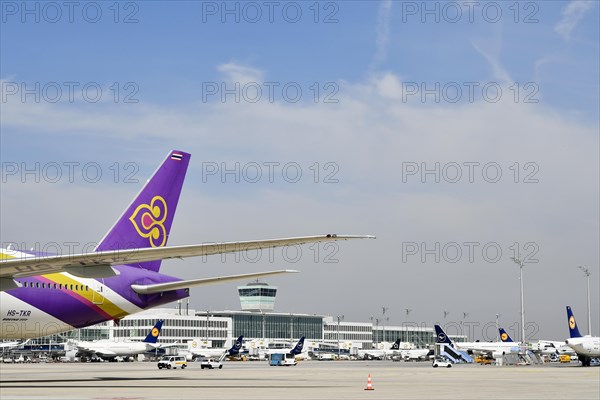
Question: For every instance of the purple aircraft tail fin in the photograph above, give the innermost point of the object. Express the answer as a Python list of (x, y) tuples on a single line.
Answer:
[(147, 221)]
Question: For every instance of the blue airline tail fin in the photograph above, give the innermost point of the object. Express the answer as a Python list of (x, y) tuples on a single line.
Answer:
[(441, 336), (504, 336), (299, 346), (573, 329), (154, 332), (235, 349)]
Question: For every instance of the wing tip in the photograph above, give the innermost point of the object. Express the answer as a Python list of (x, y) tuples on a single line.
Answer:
[(346, 237)]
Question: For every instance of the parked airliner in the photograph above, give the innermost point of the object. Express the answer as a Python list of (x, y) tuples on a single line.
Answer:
[(544, 347), (380, 353), (110, 349), (194, 351), (586, 347), (44, 294)]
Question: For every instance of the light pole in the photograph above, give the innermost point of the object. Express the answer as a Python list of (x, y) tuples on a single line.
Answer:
[(376, 326), (587, 273), (339, 318), (384, 308), (497, 328), (206, 330), (263, 326), (521, 264), (291, 329), (407, 310)]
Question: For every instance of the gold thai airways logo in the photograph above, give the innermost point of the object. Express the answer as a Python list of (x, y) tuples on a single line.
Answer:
[(155, 332), (504, 337), (148, 221), (572, 322)]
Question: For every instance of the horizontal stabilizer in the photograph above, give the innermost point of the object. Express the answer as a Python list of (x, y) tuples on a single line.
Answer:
[(92, 271), (164, 287), (8, 283)]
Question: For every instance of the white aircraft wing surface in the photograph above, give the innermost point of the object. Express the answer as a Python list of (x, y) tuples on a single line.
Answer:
[(97, 264), (163, 287)]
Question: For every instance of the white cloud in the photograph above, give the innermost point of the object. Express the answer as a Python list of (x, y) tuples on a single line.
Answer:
[(370, 134), (490, 49), (571, 15), (388, 85), (240, 73)]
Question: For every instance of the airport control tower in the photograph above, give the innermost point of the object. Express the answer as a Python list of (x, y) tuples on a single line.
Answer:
[(257, 296)]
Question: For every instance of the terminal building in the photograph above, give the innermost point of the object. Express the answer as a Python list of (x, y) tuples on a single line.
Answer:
[(256, 321)]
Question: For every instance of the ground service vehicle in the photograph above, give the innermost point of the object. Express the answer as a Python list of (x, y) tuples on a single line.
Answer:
[(210, 363), (565, 358), (282, 359), (172, 362), (440, 362)]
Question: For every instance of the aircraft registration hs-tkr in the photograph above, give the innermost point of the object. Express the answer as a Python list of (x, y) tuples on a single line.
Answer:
[(44, 294)]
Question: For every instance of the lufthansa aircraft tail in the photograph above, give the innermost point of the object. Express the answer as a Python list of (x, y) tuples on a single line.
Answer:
[(504, 337), (237, 346), (299, 346), (154, 332), (573, 329), (396, 345), (146, 222), (441, 337)]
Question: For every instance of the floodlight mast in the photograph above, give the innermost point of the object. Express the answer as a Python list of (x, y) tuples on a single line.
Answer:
[(587, 273), (521, 264)]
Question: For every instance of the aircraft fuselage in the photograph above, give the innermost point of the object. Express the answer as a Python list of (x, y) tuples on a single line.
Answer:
[(54, 303)]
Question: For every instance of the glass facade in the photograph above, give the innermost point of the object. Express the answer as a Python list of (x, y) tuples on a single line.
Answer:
[(276, 326), (420, 336), (217, 327), (258, 291)]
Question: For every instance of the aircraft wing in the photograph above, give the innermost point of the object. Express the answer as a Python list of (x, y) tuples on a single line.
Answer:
[(101, 352), (97, 264), (6, 345), (105, 353), (163, 287)]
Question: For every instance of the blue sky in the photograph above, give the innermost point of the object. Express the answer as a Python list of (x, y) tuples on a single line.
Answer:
[(373, 59), (170, 50)]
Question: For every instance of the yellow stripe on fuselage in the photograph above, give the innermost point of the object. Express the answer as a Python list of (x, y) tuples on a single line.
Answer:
[(104, 304), (4, 256), (62, 278)]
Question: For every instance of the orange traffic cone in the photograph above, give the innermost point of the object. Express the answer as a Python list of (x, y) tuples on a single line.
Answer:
[(369, 384)]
